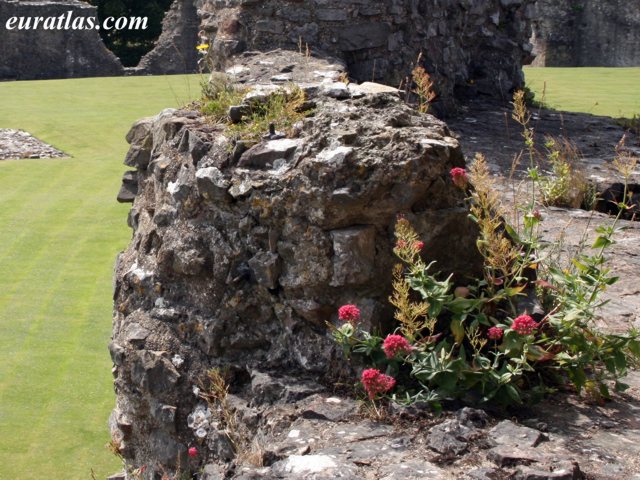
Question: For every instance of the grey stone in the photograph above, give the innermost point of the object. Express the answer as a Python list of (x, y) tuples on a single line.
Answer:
[(240, 188), (213, 471), (265, 388), (413, 470), (190, 142), (507, 455), (567, 34), (562, 471), (449, 438), (129, 188), (483, 473), (266, 268), (182, 187), (236, 112), (331, 14), (508, 433), (313, 466), (472, 417), (137, 157), (267, 153), (354, 253), (135, 333), (371, 88), (337, 90), (221, 446), (152, 372), (211, 183), (334, 409)]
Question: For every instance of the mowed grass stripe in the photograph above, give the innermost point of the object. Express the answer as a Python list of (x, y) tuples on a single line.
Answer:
[(44, 241), (60, 418), (60, 229), (613, 92)]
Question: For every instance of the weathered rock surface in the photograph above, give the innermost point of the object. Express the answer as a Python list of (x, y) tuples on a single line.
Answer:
[(589, 33), (41, 53), (239, 261), (16, 144)]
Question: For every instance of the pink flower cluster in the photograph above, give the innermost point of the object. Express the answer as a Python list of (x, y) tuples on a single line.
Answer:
[(418, 245), (193, 452), (459, 177), (524, 325), (495, 333), (376, 382), (349, 313), (396, 344)]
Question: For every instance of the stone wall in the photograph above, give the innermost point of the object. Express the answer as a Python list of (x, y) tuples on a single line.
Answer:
[(41, 54), (587, 33), (468, 46), (175, 49), (243, 251)]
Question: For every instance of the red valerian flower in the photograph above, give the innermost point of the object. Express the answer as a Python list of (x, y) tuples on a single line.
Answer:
[(419, 245), (524, 325), (459, 177), (395, 344), (401, 244), (349, 313), (495, 333), (193, 452), (376, 382)]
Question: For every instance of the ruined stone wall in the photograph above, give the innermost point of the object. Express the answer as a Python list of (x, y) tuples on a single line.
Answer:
[(587, 33), (175, 50), (242, 251), (468, 46), (42, 54)]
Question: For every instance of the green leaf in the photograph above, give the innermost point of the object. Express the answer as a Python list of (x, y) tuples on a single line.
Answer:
[(634, 348), (580, 266), (512, 233), (578, 378), (620, 361), (458, 330), (604, 391), (513, 291), (602, 242), (512, 393), (621, 387)]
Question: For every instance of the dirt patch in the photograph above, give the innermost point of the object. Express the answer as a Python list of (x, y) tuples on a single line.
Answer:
[(18, 144)]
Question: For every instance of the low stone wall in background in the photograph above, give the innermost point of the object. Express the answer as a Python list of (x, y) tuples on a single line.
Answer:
[(42, 54)]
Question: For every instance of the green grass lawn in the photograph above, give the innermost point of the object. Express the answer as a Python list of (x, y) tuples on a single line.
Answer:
[(60, 230), (601, 91)]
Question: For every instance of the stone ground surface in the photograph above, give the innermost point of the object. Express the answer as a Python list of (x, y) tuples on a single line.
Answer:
[(490, 130), (18, 144)]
